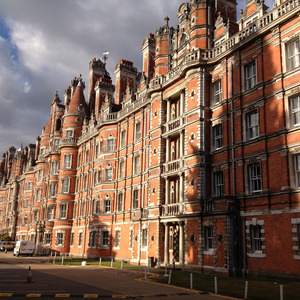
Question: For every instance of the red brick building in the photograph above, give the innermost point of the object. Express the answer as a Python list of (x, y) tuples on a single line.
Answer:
[(193, 161)]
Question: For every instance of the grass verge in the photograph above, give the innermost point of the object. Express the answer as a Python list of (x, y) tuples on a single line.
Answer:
[(258, 288)]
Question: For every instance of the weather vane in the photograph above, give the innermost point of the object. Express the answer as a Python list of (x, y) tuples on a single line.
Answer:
[(105, 56)]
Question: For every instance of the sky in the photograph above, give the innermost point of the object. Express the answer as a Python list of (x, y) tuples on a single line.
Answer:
[(44, 44)]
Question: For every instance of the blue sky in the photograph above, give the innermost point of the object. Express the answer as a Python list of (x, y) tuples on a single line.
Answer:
[(44, 44)]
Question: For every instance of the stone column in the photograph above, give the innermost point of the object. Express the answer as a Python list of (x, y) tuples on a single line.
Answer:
[(168, 149), (168, 110), (181, 243), (167, 191), (182, 95), (181, 189), (181, 143), (166, 258)]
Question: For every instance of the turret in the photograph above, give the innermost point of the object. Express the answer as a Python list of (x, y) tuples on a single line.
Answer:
[(148, 49)]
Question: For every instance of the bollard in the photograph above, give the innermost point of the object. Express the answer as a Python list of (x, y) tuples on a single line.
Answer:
[(111, 263), (191, 281), (65, 255), (166, 275), (100, 261), (216, 286), (246, 289), (54, 259), (122, 264), (169, 281), (51, 254), (71, 256), (29, 276), (281, 292), (62, 260)]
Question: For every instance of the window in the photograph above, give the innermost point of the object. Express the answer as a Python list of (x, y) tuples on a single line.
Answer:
[(137, 131), (59, 238), (67, 161), (104, 238), (252, 125), (131, 238), (40, 175), (110, 145), (218, 184), (217, 92), (293, 55), (107, 206), (84, 181), (54, 168), (99, 175), (109, 174), (38, 195), (250, 75), (97, 207), (79, 160), (135, 201), (47, 238), (52, 189), (101, 147), (208, 238), (96, 151), (120, 202), (80, 239), (117, 238), (144, 238), (297, 170), (65, 185), (72, 239), (25, 221), (122, 169), (256, 244), (254, 178), (69, 133), (295, 110), (123, 138), (30, 185), (63, 211), (93, 239), (217, 136), (136, 164), (87, 156), (50, 213)]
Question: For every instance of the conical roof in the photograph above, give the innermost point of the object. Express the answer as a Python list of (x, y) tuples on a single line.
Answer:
[(77, 104)]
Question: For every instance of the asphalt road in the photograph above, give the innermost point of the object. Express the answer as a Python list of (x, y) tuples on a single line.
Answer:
[(49, 281)]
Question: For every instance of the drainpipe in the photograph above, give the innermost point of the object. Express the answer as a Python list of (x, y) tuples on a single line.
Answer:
[(205, 168), (232, 237)]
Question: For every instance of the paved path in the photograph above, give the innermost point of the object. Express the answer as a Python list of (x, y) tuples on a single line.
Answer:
[(84, 282)]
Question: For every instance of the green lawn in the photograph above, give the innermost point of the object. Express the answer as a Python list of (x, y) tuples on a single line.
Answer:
[(258, 288)]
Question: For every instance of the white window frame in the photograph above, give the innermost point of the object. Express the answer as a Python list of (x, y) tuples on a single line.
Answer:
[(68, 161), (252, 124), (297, 169), (110, 145), (250, 75), (123, 138), (217, 91), (63, 210), (136, 165), (69, 133), (292, 59), (138, 131), (256, 239), (120, 202), (217, 136), (254, 178), (122, 169), (135, 199), (218, 183), (59, 238), (54, 167), (295, 110), (65, 185), (208, 238), (52, 190)]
